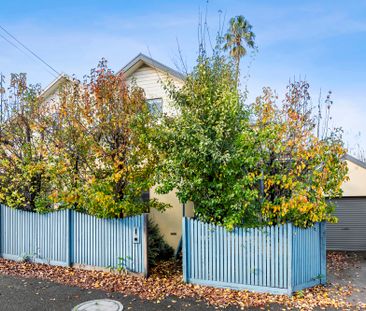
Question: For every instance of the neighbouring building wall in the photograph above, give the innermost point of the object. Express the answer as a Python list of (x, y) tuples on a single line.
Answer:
[(356, 185)]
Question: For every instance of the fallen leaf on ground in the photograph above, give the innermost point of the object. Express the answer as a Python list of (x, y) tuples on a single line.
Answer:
[(166, 280)]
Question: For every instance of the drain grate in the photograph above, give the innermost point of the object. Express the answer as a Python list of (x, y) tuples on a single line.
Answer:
[(99, 305)]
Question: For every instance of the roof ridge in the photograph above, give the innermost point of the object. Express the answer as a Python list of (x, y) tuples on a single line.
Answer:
[(354, 160), (153, 63), (139, 57)]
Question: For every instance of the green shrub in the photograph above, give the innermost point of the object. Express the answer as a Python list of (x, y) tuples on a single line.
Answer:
[(158, 249)]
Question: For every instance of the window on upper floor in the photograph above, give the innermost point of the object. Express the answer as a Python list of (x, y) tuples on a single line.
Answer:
[(155, 105)]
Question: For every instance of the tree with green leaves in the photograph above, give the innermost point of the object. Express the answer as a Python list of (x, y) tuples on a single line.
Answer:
[(201, 149), (246, 165), (238, 38)]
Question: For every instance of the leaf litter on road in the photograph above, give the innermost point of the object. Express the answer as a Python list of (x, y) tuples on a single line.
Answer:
[(166, 281)]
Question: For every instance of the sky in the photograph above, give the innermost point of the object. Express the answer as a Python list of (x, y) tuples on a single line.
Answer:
[(322, 41)]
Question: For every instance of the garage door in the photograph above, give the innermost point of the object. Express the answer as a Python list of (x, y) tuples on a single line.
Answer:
[(349, 233)]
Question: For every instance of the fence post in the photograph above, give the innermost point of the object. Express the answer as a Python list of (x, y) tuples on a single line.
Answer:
[(290, 285), (69, 237), (185, 250), (145, 244), (1, 230), (323, 252)]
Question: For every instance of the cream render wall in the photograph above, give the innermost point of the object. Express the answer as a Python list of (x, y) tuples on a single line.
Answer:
[(170, 221), (356, 186)]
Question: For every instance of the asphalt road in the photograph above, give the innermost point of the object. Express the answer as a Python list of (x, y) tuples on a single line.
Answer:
[(25, 294), (22, 294)]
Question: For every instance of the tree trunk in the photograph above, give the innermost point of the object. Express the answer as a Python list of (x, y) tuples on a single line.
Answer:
[(237, 72)]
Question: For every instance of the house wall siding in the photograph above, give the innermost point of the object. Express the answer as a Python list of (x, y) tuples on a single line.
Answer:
[(152, 81)]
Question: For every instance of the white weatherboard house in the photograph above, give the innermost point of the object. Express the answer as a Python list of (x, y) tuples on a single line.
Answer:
[(348, 234)]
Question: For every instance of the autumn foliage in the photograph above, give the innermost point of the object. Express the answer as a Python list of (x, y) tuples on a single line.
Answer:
[(298, 171), (97, 148), (23, 146), (102, 162), (85, 150)]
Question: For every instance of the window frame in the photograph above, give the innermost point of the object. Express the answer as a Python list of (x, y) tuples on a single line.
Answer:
[(150, 101)]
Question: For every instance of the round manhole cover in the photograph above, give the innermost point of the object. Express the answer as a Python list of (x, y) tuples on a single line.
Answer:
[(99, 305)]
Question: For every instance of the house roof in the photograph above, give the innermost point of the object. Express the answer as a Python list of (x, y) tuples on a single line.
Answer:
[(142, 59), (52, 87), (128, 69), (354, 160)]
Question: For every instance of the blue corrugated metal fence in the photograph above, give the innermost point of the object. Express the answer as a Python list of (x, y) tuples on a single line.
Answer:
[(67, 237), (278, 259)]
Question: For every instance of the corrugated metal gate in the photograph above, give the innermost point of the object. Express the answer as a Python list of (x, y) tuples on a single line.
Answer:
[(349, 234), (67, 237)]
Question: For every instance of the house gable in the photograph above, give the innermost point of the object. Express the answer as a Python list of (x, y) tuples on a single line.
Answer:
[(146, 72), (356, 185), (152, 81), (151, 76), (141, 60)]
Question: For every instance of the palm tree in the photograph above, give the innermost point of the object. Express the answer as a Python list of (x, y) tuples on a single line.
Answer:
[(238, 37)]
